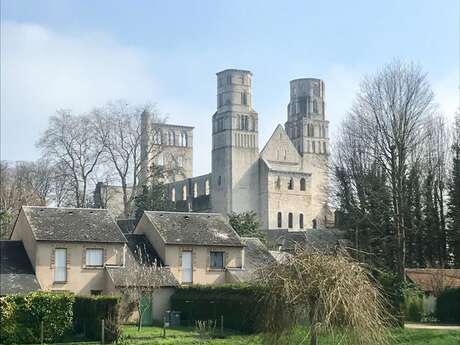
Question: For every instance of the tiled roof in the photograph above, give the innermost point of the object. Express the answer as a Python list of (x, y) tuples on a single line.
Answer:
[(140, 251), (430, 279), (72, 224), (207, 229), (16, 271), (256, 255)]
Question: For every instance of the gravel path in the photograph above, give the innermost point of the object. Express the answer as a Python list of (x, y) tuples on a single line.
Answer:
[(431, 326)]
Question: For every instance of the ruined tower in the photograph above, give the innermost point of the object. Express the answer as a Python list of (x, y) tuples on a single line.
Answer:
[(235, 148)]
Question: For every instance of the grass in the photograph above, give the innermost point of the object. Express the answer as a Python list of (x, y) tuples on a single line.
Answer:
[(187, 336)]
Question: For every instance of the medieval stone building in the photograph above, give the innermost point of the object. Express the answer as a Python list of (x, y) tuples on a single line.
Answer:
[(285, 183)]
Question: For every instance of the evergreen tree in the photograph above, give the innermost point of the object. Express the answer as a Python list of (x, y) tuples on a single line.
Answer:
[(154, 195), (453, 230)]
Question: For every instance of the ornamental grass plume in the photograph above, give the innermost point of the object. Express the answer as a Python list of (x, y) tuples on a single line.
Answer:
[(332, 295)]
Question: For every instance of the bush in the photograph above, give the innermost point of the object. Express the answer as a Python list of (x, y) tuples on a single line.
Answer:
[(393, 290), (89, 311), (239, 304), (413, 304), (448, 306), (24, 313)]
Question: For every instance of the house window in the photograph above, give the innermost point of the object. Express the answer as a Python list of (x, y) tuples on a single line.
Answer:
[(280, 220), (180, 162), (195, 190), (60, 265), (184, 192), (157, 137), (187, 267), (94, 257), (324, 148), (302, 184), (278, 183), (314, 224), (206, 187), (216, 260), (290, 220), (173, 194), (301, 221), (219, 180), (315, 106), (291, 184), (96, 292)]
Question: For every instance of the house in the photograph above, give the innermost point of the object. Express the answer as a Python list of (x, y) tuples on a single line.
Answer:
[(199, 248), (432, 281), (69, 248)]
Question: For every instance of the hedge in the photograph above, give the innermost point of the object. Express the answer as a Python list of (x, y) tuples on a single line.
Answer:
[(22, 316), (89, 313), (448, 306), (240, 305), (63, 314)]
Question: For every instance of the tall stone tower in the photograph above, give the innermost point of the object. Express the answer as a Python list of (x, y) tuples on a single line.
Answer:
[(309, 131), (235, 148)]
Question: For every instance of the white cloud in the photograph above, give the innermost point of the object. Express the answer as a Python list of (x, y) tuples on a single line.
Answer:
[(43, 70)]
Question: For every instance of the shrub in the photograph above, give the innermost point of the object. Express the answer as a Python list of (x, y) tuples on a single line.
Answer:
[(24, 314), (240, 305), (89, 311), (413, 304), (7, 324), (448, 306)]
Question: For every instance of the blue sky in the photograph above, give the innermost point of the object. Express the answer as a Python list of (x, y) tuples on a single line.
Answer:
[(81, 54)]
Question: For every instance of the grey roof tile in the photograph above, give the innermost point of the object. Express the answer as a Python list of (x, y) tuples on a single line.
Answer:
[(207, 229), (16, 272), (73, 224)]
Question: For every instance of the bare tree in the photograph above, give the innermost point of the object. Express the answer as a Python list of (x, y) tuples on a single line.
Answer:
[(120, 131), (141, 278), (330, 294), (391, 110), (70, 143)]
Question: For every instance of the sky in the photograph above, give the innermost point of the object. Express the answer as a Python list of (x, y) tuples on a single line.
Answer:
[(82, 54)]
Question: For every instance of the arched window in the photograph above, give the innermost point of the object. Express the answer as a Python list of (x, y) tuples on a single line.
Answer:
[(280, 220), (290, 220), (184, 192), (278, 183), (195, 190), (206, 187), (173, 195), (219, 180), (313, 147), (157, 137), (180, 162), (324, 147), (183, 139), (314, 223), (315, 106), (302, 184), (291, 183), (171, 138), (301, 220)]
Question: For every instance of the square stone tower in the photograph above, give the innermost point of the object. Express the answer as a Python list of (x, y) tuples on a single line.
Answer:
[(235, 148)]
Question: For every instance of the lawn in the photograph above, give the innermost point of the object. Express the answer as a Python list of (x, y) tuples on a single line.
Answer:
[(153, 335)]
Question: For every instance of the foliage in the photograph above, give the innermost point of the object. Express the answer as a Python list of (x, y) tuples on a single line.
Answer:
[(448, 306), (240, 305), (206, 329), (246, 224), (7, 322), (154, 194), (89, 311), (28, 311), (413, 305), (326, 293)]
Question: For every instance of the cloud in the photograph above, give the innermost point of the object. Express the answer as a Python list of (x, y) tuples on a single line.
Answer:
[(43, 70)]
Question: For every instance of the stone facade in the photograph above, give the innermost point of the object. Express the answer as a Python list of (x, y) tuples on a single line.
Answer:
[(285, 183)]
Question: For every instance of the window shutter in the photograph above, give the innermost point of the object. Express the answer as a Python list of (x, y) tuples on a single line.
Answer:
[(67, 258), (225, 259), (194, 260), (208, 259), (104, 256), (180, 260)]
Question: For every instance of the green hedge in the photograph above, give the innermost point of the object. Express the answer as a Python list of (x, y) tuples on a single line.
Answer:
[(64, 316), (22, 316), (240, 305), (89, 313), (448, 306)]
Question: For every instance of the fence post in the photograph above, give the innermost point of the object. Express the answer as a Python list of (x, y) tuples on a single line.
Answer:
[(102, 332), (222, 326), (41, 332), (164, 326)]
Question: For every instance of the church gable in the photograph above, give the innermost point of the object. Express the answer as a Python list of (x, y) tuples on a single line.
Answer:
[(279, 149)]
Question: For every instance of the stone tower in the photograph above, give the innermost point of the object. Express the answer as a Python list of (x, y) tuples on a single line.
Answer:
[(235, 148), (309, 131)]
